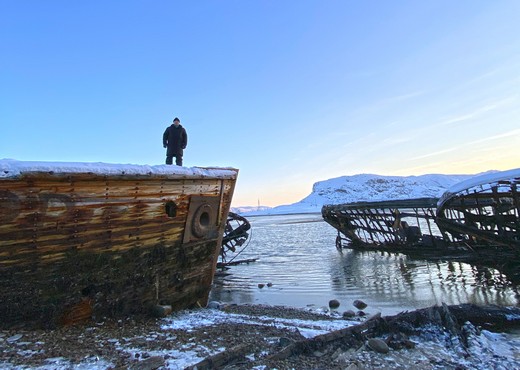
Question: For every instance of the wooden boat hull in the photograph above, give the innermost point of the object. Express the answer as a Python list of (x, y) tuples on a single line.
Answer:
[(77, 245), (484, 211), (389, 224)]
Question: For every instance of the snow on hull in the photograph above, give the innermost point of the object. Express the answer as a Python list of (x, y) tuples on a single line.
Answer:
[(483, 182), (11, 168)]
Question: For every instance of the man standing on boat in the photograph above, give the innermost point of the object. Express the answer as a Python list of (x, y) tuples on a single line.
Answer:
[(175, 139)]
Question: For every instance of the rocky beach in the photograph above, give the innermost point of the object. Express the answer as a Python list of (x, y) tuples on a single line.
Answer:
[(269, 337)]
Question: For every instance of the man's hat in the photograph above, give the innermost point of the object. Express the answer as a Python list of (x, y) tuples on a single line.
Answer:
[(176, 119)]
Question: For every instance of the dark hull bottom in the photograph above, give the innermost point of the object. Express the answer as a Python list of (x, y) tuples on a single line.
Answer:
[(85, 284)]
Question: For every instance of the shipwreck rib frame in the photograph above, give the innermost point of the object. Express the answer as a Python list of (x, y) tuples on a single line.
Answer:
[(387, 223), (479, 216), (483, 213)]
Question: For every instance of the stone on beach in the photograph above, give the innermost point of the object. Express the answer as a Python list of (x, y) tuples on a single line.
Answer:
[(348, 314), (378, 345), (333, 304), (359, 304), (214, 305)]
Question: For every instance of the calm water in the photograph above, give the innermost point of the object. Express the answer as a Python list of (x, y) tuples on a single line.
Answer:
[(297, 254)]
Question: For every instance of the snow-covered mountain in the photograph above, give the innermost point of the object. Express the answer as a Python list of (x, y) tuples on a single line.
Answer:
[(365, 187), (249, 209)]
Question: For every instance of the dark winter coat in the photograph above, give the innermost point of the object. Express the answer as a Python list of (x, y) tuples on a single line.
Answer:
[(175, 139)]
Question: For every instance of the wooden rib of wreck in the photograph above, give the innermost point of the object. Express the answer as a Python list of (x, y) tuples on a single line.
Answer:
[(477, 215), (385, 224), (79, 239), (235, 235), (483, 211)]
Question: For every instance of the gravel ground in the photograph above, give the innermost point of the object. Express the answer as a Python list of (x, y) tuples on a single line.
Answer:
[(109, 340), (144, 343)]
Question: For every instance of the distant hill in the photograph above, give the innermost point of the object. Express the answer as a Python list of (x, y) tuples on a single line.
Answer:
[(365, 187), (248, 209)]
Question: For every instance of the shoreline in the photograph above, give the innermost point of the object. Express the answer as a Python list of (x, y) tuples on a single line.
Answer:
[(250, 335)]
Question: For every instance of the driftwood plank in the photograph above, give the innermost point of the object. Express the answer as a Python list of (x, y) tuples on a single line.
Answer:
[(221, 358), (449, 317), (351, 335)]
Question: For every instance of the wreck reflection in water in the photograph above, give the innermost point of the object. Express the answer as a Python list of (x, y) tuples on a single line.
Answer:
[(297, 255)]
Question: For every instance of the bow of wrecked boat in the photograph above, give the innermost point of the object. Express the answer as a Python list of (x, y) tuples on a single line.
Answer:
[(90, 239)]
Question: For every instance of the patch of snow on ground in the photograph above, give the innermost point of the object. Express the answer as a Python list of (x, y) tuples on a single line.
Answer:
[(196, 319), (483, 350), (437, 349), (176, 359), (60, 363)]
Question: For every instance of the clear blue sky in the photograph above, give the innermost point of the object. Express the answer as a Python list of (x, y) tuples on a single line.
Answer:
[(289, 92)]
